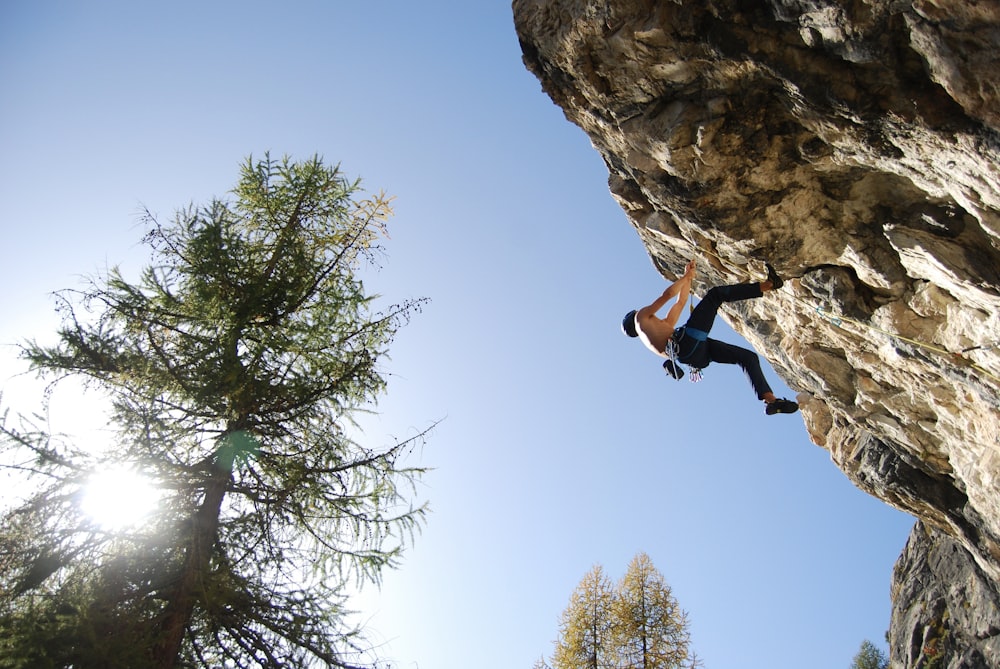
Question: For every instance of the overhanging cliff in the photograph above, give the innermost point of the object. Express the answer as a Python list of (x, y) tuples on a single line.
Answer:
[(854, 146)]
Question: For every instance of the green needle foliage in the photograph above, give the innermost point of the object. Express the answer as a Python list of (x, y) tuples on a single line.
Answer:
[(869, 657), (234, 367)]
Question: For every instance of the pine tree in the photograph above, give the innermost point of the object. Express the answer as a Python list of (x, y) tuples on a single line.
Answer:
[(234, 367), (651, 631), (586, 627), (869, 657)]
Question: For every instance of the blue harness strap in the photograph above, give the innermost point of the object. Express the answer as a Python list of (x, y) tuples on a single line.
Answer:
[(694, 333), (674, 347)]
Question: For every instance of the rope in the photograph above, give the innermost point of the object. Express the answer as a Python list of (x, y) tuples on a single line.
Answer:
[(838, 320), (957, 357), (721, 259)]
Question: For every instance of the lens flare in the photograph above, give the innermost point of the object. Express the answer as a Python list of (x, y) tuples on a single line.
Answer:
[(119, 497)]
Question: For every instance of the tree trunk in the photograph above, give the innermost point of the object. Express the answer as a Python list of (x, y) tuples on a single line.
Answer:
[(181, 602)]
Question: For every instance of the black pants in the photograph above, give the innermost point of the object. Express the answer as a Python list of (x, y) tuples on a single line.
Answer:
[(696, 349)]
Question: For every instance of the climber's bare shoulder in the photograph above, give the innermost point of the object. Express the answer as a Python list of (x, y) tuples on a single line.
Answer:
[(655, 331)]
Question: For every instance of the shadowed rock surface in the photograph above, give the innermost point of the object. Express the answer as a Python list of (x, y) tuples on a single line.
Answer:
[(855, 147), (947, 610)]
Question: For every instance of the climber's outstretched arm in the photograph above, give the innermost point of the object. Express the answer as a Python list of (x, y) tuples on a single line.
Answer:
[(677, 310), (680, 288)]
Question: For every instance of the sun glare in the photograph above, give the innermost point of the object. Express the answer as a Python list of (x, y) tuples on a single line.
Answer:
[(119, 497)]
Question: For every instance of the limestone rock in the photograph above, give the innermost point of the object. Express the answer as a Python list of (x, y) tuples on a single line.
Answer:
[(855, 146), (950, 617)]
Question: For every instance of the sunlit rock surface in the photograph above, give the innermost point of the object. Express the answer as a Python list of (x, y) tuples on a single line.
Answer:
[(854, 146)]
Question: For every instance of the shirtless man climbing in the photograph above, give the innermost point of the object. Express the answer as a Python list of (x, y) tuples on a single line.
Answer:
[(693, 346)]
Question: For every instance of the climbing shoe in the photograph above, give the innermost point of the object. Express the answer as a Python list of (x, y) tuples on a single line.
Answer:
[(776, 281), (781, 406)]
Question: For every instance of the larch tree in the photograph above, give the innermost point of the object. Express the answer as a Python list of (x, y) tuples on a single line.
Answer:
[(234, 366), (651, 630), (586, 632), (633, 624)]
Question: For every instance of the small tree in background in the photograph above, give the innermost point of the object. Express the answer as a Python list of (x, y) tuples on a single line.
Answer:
[(870, 657), (636, 624), (651, 630), (234, 367), (586, 630)]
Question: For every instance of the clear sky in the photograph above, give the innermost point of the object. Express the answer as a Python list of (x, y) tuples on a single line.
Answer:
[(562, 443)]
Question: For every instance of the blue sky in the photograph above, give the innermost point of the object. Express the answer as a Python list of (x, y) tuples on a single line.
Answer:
[(562, 443)]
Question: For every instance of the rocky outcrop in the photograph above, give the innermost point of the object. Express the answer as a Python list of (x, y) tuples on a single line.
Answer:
[(855, 146), (948, 611)]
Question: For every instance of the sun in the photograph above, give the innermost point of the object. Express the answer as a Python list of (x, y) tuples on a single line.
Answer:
[(119, 497)]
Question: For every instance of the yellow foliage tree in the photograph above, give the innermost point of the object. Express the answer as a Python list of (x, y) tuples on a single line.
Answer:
[(634, 624), (586, 634), (651, 630)]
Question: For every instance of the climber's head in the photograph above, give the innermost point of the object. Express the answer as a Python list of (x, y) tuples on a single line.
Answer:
[(628, 324)]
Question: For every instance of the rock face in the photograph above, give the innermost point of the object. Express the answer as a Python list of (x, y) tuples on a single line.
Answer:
[(856, 147), (947, 609)]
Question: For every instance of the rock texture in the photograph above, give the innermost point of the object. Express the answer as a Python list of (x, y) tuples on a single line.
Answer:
[(948, 610), (854, 145)]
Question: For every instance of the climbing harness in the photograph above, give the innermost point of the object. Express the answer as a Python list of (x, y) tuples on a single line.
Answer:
[(673, 364)]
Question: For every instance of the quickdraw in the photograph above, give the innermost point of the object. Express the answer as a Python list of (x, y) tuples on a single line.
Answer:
[(695, 373)]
